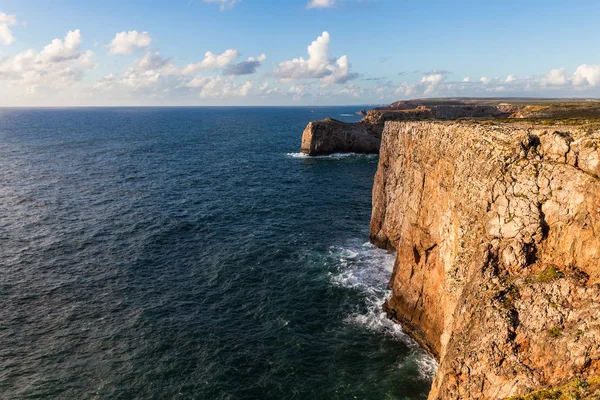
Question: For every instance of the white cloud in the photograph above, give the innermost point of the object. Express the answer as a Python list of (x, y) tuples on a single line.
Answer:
[(155, 75), (58, 65), (467, 79), (212, 61), (432, 81), (587, 74), (140, 79), (247, 67), (485, 80), (321, 4), (511, 78), (340, 74), (219, 87), (6, 35), (266, 90), (124, 42), (224, 4), (106, 82), (407, 89), (147, 71), (317, 66), (152, 68), (556, 77)]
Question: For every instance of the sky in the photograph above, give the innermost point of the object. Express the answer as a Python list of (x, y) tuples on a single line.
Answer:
[(293, 52)]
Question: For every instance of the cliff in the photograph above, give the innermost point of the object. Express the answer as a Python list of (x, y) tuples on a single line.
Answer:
[(332, 136), (496, 226)]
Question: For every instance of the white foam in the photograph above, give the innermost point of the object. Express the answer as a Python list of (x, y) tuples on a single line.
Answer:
[(368, 269), (427, 366), (332, 156)]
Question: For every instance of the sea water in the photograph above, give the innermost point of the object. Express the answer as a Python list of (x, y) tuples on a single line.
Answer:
[(191, 253)]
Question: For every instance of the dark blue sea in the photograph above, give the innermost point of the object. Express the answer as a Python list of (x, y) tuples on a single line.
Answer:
[(191, 253)]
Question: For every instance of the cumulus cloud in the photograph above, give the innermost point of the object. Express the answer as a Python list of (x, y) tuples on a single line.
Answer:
[(211, 61), (106, 82), (6, 35), (146, 71), (157, 73), (556, 77), (317, 66), (320, 4), (587, 75), (298, 91), (432, 80), (586, 78), (266, 90), (224, 4), (407, 89), (124, 42), (245, 67), (59, 64), (219, 87)]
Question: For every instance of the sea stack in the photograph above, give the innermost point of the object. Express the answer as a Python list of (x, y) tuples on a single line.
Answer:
[(332, 136)]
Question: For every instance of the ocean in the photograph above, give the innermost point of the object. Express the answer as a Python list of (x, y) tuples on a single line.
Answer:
[(191, 253)]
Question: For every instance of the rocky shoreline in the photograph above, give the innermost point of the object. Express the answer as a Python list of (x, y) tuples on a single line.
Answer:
[(494, 212)]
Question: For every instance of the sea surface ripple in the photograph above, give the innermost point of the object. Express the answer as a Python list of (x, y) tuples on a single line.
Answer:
[(186, 253)]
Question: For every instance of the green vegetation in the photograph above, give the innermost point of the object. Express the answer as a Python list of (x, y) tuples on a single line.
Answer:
[(549, 274), (508, 297), (574, 390), (555, 332)]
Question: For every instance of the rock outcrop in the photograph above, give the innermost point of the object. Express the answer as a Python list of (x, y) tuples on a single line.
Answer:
[(332, 136), (496, 225)]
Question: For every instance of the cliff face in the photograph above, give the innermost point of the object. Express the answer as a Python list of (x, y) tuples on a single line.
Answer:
[(333, 136), (496, 227)]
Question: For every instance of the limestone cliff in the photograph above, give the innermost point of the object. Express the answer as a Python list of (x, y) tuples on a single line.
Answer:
[(333, 136), (497, 230)]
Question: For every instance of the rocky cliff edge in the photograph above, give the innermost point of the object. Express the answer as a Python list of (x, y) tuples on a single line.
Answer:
[(332, 136), (496, 225)]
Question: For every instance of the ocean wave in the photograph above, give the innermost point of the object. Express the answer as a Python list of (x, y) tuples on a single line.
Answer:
[(332, 156), (367, 269)]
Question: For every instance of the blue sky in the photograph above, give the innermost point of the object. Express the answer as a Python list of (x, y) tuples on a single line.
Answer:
[(363, 51)]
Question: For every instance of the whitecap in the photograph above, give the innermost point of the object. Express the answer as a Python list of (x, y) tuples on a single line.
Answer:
[(367, 269), (426, 365), (332, 156)]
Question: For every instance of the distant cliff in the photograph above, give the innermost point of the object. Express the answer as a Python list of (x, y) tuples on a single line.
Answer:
[(332, 136), (496, 225)]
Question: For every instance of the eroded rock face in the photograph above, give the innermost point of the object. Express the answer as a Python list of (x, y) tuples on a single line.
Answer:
[(496, 227), (332, 136)]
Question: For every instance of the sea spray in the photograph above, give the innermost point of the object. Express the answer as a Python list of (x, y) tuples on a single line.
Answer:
[(334, 156), (367, 269)]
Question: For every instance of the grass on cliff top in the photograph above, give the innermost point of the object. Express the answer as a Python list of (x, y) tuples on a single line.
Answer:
[(574, 390), (591, 124)]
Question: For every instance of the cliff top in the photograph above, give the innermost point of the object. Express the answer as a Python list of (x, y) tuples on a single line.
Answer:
[(552, 109), (332, 136)]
